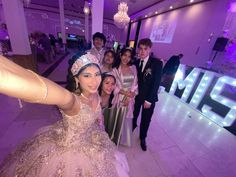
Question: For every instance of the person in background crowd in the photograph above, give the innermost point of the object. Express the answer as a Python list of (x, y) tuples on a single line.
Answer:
[(169, 70), (53, 44), (4, 39), (172, 64), (45, 44)]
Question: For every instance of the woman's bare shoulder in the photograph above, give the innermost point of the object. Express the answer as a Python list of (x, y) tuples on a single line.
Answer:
[(74, 109)]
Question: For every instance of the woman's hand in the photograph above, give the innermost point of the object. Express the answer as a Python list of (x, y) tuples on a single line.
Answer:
[(124, 92), (125, 101), (131, 94), (146, 105)]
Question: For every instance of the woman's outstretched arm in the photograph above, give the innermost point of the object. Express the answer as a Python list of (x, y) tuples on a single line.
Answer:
[(21, 83)]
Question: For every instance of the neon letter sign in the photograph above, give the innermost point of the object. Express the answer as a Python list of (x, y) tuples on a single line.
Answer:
[(188, 83)]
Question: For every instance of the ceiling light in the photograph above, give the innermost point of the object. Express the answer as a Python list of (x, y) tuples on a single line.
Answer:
[(86, 8), (121, 18), (171, 7)]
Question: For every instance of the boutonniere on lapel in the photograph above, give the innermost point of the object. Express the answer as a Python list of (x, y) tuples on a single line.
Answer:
[(148, 71)]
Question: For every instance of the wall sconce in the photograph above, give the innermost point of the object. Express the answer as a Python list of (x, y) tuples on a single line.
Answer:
[(86, 8)]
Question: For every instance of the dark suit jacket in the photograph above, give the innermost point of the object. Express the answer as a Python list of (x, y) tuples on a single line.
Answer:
[(171, 65), (149, 80)]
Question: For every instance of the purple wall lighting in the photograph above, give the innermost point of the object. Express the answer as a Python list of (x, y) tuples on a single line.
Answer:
[(232, 7)]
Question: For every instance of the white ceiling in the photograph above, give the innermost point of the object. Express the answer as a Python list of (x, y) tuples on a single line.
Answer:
[(110, 6)]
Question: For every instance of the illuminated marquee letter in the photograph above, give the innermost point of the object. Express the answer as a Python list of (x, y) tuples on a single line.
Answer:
[(187, 83), (202, 88), (215, 95)]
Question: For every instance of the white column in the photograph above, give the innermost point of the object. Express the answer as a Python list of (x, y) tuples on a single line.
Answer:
[(16, 26), (97, 16), (86, 24), (62, 20)]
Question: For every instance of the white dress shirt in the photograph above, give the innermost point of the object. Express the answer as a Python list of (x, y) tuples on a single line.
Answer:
[(144, 62), (98, 54)]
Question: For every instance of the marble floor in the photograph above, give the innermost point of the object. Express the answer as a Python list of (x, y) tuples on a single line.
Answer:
[(181, 142)]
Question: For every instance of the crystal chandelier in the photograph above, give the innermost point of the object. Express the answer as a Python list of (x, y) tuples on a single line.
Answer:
[(121, 18)]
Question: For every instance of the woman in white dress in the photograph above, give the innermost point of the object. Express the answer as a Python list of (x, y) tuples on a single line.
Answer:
[(127, 88), (75, 146)]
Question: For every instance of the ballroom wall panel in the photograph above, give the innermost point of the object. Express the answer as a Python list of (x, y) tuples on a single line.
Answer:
[(191, 28)]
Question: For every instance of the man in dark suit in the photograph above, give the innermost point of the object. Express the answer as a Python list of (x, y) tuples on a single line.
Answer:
[(169, 70), (172, 64), (149, 77)]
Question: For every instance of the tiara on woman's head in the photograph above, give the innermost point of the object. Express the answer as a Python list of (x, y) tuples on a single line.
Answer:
[(82, 61)]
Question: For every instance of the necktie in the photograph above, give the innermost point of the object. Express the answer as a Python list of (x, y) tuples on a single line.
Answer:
[(141, 66)]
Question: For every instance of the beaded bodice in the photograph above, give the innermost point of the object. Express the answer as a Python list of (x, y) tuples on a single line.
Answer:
[(84, 120), (127, 81)]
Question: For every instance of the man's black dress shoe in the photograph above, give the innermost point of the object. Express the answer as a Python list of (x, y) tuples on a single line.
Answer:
[(143, 144)]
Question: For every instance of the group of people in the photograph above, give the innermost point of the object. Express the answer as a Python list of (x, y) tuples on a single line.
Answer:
[(5, 45), (43, 46), (103, 103), (128, 84)]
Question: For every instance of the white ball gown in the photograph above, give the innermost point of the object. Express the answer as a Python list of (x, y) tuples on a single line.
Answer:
[(75, 146)]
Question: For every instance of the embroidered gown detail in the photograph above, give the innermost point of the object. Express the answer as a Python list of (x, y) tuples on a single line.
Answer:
[(75, 146)]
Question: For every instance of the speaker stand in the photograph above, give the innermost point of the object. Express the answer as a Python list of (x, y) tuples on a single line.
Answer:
[(214, 56)]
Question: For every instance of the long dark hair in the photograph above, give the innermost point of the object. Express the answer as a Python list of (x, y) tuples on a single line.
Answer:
[(104, 76), (122, 52), (113, 55), (71, 83)]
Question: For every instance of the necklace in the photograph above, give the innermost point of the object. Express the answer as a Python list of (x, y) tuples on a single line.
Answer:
[(86, 98)]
